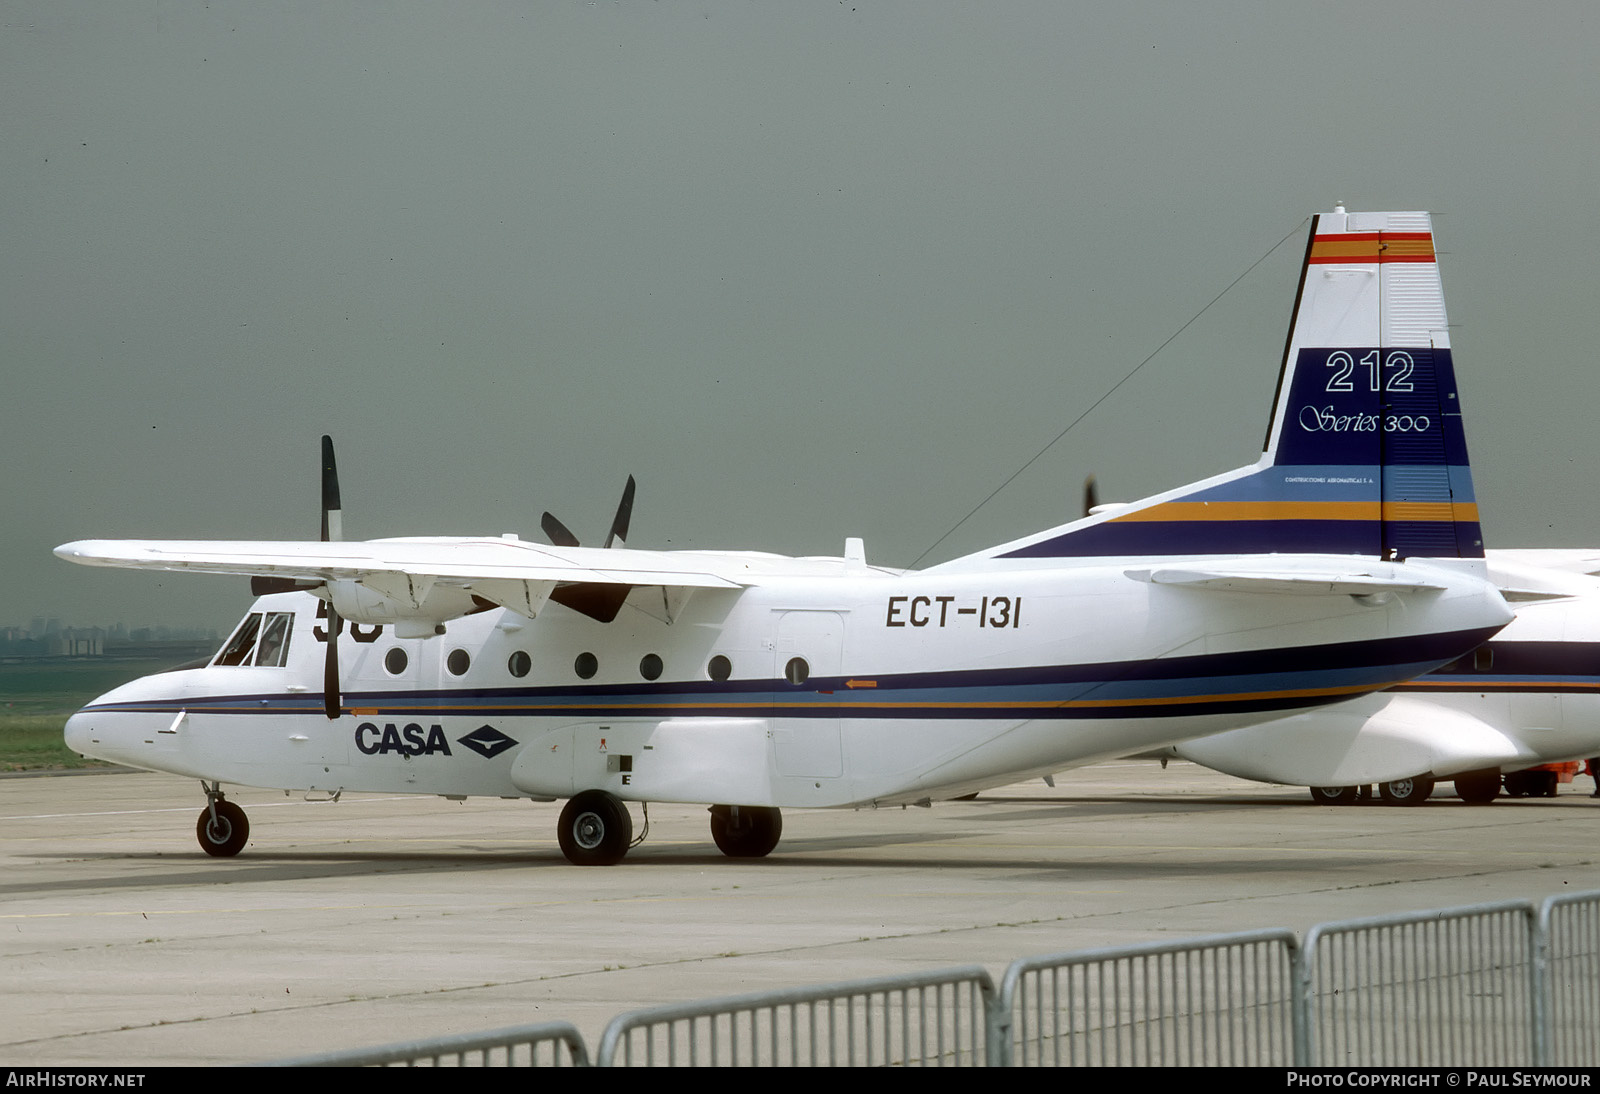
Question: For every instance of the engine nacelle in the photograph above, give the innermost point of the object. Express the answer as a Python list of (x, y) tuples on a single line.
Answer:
[(415, 607)]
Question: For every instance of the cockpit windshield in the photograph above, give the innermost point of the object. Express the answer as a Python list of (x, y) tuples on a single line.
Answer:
[(261, 640)]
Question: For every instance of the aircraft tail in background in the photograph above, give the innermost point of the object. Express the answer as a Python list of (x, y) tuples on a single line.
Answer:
[(1365, 455)]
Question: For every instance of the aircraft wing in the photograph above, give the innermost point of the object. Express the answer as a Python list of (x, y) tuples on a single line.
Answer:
[(1293, 582), (461, 562)]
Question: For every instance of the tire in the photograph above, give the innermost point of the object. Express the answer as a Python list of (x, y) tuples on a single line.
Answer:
[(595, 829), (1334, 795), (1412, 791), (752, 834), (1550, 785), (227, 834), (1478, 787), (1520, 784)]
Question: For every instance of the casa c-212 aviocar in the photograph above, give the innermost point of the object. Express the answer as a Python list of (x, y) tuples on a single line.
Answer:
[(1345, 560)]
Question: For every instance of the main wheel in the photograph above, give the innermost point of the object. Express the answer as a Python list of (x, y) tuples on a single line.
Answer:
[(746, 831), (226, 834), (595, 829), (1521, 784), (1412, 791), (1334, 795), (1478, 787)]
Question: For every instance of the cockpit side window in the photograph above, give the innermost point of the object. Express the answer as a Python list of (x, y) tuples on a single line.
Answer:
[(260, 640), (273, 649), (243, 642)]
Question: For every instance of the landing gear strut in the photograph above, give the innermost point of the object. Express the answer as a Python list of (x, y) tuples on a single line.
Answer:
[(746, 831), (222, 828)]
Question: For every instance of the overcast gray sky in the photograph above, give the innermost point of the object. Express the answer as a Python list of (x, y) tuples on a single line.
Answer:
[(808, 270)]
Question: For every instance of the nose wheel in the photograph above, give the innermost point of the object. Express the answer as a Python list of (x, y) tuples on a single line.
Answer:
[(222, 828)]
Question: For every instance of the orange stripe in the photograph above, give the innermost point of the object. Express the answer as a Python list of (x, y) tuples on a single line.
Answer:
[(1430, 510), (1372, 247)]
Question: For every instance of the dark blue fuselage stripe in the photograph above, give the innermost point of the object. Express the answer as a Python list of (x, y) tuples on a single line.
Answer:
[(1245, 537)]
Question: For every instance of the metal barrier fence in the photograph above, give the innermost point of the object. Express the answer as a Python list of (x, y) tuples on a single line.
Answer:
[(1423, 988), (937, 1018), (1226, 1000), (548, 1044), (1493, 984), (1569, 927)]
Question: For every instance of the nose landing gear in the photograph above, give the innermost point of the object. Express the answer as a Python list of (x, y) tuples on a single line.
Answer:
[(222, 828)]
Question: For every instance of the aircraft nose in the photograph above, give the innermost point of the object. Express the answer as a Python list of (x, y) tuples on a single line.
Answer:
[(79, 732)]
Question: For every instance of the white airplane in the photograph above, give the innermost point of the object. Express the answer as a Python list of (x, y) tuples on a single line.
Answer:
[(1345, 560), (1529, 696)]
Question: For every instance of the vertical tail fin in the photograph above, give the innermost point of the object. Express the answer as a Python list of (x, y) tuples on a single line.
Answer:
[(1366, 453)]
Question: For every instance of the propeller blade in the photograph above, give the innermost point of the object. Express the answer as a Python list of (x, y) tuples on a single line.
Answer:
[(332, 529), (600, 602), (261, 585), (330, 665), (619, 524), (1091, 495), (556, 532), (332, 512)]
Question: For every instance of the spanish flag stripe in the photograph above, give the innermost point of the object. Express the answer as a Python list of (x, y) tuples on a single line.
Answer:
[(1389, 247)]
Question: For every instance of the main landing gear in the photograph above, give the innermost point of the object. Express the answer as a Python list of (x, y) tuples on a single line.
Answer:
[(1478, 787), (222, 828), (1532, 784), (1412, 791), (746, 831), (596, 829)]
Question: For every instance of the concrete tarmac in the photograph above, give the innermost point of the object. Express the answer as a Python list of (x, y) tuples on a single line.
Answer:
[(382, 918)]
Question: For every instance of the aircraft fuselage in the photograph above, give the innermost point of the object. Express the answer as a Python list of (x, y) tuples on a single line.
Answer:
[(813, 686)]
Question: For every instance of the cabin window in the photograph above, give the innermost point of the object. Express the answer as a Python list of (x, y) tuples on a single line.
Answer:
[(586, 665), (458, 662), (719, 668), (394, 662), (519, 664), (797, 671), (650, 666)]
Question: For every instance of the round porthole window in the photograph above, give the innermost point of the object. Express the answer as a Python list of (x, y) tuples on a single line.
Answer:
[(797, 671), (395, 661), (519, 663), (719, 668), (650, 666), (586, 666), (458, 662)]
